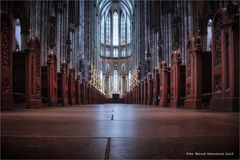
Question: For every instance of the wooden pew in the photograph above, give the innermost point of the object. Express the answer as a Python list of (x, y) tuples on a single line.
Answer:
[(95, 96), (62, 84), (134, 95), (33, 93), (142, 92), (83, 91), (206, 93), (90, 95), (27, 75), (225, 59), (44, 84), (156, 86), (49, 80), (164, 84), (127, 97), (198, 75), (131, 97), (177, 81), (6, 45), (150, 89), (19, 78), (87, 92), (78, 90), (145, 90), (71, 87), (139, 93)]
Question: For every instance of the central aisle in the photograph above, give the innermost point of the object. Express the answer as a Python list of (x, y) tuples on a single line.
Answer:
[(118, 131)]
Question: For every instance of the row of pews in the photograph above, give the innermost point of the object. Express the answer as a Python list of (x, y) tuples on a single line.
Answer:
[(35, 86), (209, 79), (25, 83)]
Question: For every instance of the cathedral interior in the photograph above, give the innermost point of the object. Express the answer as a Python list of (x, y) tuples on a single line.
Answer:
[(119, 79)]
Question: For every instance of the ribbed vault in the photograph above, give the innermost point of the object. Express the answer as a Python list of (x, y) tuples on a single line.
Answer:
[(105, 5)]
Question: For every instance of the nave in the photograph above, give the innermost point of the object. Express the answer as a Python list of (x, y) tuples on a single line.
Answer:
[(64, 53), (118, 131), (119, 79)]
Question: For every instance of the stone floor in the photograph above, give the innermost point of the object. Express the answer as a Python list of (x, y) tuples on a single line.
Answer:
[(118, 131)]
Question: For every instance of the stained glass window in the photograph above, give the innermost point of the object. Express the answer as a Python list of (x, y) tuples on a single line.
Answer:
[(102, 30), (18, 34), (123, 24), (107, 52), (108, 33), (129, 79), (128, 30), (209, 35), (115, 52), (115, 29), (123, 52)]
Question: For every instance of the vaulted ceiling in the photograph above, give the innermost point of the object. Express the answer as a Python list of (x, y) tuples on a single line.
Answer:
[(105, 5)]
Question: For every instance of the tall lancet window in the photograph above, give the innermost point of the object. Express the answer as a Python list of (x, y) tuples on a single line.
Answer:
[(101, 79), (107, 52), (18, 35), (108, 33), (102, 30), (129, 80), (123, 24), (123, 52), (115, 29), (209, 35), (115, 81), (115, 52), (128, 30)]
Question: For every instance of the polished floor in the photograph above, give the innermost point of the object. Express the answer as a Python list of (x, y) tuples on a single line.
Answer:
[(118, 131)]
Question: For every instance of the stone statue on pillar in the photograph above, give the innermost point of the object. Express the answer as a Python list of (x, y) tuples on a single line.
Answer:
[(139, 71), (148, 60), (176, 33), (69, 50), (52, 32), (160, 42), (89, 72), (80, 65)]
